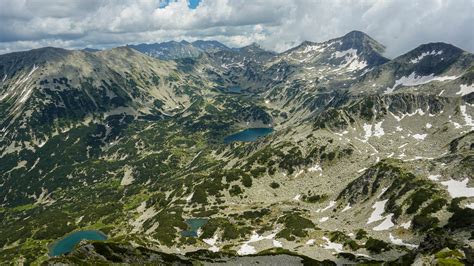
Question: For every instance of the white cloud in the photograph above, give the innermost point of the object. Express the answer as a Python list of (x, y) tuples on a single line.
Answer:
[(276, 24)]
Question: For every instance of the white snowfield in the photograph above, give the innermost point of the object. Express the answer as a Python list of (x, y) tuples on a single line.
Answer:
[(348, 207), (467, 117), (424, 54), (212, 243), (376, 215), (247, 249), (414, 80), (465, 89), (400, 242), (324, 219), (386, 224), (331, 204), (400, 118), (331, 245), (406, 225), (457, 189), (434, 177), (419, 136)]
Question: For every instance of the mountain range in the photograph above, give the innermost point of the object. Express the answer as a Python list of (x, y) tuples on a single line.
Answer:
[(176, 50), (327, 153)]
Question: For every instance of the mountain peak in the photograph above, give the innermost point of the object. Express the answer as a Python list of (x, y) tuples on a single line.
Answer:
[(36, 56), (438, 46), (360, 40), (356, 34), (254, 48), (426, 55), (210, 45)]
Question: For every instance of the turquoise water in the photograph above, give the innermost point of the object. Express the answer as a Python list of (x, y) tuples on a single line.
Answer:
[(67, 243), (250, 134), (234, 89), (193, 226)]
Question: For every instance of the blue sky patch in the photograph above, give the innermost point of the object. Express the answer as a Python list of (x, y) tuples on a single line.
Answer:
[(192, 4)]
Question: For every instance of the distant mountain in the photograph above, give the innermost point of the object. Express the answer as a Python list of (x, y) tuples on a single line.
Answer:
[(432, 63), (175, 50), (210, 46), (91, 50), (352, 52)]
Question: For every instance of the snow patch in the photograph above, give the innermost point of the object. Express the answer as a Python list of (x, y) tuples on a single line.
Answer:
[(368, 131), (331, 245), (247, 249), (378, 130), (457, 189), (400, 242), (386, 224), (212, 243), (310, 48), (434, 177), (188, 198), (299, 173), (348, 207), (424, 54), (78, 220), (467, 117), (361, 170), (379, 208), (331, 204), (339, 54), (383, 189), (324, 219), (414, 80), (353, 62), (315, 168), (420, 136), (465, 89), (406, 225), (277, 244)]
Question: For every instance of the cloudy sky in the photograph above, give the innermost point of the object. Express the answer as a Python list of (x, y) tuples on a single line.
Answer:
[(277, 25)]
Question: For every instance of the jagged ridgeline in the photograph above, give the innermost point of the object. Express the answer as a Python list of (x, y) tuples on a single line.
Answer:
[(328, 153)]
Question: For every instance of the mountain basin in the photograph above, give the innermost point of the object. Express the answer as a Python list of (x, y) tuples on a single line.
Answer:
[(193, 226), (68, 242), (248, 135)]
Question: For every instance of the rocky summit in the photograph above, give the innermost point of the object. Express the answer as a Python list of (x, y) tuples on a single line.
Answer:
[(196, 153)]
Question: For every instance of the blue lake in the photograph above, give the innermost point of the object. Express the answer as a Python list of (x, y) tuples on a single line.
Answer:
[(193, 226), (67, 243), (250, 134), (234, 89)]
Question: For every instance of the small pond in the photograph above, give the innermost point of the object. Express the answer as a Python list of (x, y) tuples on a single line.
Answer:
[(67, 243), (248, 135), (234, 89), (193, 226)]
